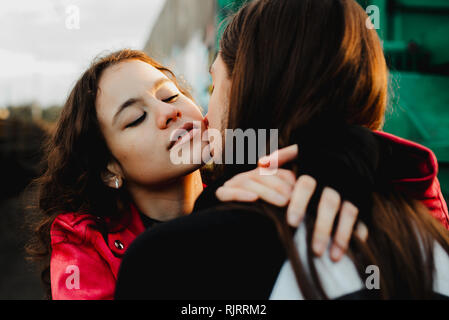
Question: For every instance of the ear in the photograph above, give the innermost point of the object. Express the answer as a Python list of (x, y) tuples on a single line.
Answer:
[(112, 172)]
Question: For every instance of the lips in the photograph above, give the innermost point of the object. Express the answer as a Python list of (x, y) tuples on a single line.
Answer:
[(183, 133)]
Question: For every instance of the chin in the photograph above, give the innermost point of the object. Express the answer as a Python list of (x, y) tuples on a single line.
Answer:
[(172, 175), (186, 169)]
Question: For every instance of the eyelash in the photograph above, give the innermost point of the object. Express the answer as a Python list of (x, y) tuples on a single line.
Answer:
[(138, 121), (171, 98)]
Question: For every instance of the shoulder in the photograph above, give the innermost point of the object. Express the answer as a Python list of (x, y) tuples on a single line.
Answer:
[(72, 227), (221, 252), (414, 170), (235, 221)]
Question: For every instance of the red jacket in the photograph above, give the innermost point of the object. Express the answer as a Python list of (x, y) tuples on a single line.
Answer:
[(79, 250), (417, 175), (85, 266)]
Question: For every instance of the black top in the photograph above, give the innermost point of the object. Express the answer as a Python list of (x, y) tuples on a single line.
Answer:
[(215, 253), (147, 221)]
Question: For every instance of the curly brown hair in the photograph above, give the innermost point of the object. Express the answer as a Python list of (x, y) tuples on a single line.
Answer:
[(75, 156)]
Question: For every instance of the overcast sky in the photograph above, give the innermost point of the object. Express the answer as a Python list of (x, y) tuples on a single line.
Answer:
[(42, 52)]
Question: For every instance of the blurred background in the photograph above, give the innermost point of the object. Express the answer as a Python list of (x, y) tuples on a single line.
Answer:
[(45, 45)]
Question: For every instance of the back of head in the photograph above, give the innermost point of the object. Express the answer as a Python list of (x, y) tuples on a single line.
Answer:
[(293, 62), (313, 70)]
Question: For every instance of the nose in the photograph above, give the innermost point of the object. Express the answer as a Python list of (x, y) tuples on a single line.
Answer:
[(166, 115)]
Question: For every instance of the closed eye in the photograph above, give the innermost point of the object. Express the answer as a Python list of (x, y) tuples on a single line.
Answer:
[(171, 99), (138, 121)]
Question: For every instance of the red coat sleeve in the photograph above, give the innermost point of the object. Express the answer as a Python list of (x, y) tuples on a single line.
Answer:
[(77, 270)]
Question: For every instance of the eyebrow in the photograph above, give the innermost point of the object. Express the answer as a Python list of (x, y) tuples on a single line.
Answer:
[(160, 82), (124, 105)]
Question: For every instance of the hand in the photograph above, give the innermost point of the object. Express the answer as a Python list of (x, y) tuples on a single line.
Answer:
[(275, 188), (250, 186), (328, 207)]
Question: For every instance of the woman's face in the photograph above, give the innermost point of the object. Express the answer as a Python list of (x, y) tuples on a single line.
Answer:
[(139, 109)]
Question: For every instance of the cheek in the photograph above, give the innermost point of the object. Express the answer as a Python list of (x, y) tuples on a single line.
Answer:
[(219, 103), (213, 110), (216, 113), (149, 164), (141, 155)]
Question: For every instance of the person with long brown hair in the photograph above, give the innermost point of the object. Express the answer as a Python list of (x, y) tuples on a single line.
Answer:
[(108, 172), (313, 70)]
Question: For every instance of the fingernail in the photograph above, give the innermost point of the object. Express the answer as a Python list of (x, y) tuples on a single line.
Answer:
[(336, 253), (295, 147), (318, 247), (293, 218), (264, 161)]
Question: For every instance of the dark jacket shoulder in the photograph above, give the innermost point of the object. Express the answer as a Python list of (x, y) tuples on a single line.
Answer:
[(222, 252)]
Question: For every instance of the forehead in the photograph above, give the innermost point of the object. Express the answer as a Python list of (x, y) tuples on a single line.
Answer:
[(128, 74), (126, 80)]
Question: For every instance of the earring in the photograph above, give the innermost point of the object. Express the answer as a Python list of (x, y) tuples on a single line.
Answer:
[(116, 183)]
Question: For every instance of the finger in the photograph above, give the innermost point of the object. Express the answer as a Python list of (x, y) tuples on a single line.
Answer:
[(348, 217), (265, 193), (327, 210), (361, 231), (237, 180), (280, 157), (287, 175), (225, 194), (301, 195), (276, 183), (283, 180)]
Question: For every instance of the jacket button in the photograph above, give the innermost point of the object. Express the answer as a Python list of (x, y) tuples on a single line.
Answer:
[(118, 244)]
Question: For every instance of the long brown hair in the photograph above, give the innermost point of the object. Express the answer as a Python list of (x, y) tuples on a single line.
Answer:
[(76, 155), (301, 64)]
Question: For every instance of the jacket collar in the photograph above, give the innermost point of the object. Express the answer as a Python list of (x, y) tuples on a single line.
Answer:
[(128, 229), (414, 167)]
